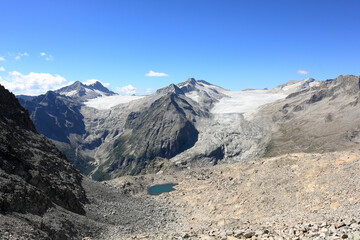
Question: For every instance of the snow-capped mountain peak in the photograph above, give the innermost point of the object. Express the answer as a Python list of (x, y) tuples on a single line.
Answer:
[(83, 92), (295, 86)]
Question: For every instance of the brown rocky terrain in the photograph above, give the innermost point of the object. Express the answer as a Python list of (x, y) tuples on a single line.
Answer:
[(319, 119), (293, 196)]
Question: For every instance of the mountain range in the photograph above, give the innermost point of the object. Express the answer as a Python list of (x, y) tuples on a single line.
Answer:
[(292, 155), (194, 123)]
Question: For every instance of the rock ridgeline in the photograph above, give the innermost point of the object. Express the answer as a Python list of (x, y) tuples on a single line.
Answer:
[(83, 92), (34, 174), (169, 123), (164, 129)]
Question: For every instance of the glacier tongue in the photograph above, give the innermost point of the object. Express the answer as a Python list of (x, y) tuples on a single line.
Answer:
[(245, 101)]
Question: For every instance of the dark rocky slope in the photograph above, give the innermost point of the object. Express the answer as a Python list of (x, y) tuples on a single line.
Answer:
[(55, 116), (34, 175), (58, 117), (164, 129)]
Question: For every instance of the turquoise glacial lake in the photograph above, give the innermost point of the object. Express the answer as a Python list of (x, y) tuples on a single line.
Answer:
[(159, 189)]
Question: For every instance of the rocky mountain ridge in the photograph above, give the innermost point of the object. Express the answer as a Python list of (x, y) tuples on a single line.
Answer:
[(83, 92), (219, 125)]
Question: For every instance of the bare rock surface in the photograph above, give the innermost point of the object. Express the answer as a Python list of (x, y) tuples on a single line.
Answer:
[(35, 177), (319, 119), (293, 196)]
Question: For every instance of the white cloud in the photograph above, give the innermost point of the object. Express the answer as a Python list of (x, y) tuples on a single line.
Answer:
[(2, 59), (129, 89), (2, 69), (47, 57), (32, 83), (148, 91), (92, 81), (20, 55), (302, 72), (156, 74)]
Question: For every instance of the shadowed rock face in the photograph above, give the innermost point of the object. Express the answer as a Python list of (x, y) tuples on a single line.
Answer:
[(55, 116), (34, 175), (163, 130)]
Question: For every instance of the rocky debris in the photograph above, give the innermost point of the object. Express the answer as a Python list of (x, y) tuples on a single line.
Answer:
[(160, 165), (250, 231), (294, 196)]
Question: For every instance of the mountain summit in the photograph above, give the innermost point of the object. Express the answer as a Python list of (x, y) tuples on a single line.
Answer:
[(83, 92)]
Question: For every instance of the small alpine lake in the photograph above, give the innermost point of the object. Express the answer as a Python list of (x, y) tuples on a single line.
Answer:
[(162, 188)]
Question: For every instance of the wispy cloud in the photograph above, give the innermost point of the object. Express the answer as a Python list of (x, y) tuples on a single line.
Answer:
[(92, 81), (47, 57), (129, 89), (2, 59), (156, 74), (18, 56), (302, 72), (2, 69), (32, 83), (148, 91)]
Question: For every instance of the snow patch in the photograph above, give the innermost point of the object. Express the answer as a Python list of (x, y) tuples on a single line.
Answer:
[(245, 101), (108, 102), (100, 92), (69, 94), (193, 96)]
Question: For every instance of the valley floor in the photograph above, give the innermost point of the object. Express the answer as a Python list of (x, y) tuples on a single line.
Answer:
[(294, 196)]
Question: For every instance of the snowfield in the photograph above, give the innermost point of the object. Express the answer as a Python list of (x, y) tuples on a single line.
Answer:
[(108, 102), (245, 101)]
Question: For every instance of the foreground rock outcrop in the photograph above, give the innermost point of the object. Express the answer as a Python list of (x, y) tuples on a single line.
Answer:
[(31, 164), (34, 176)]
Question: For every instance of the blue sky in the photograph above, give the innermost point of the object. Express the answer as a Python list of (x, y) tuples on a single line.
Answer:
[(235, 44)]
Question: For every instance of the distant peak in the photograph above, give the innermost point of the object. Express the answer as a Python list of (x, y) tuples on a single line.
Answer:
[(77, 83), (95, 84), (171, 88), (309, 80), (191, 81)]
